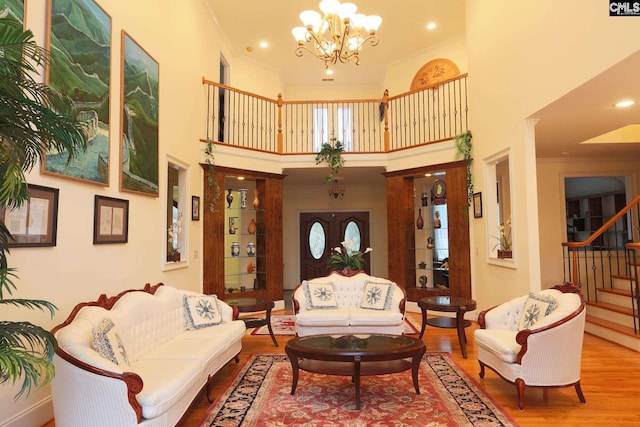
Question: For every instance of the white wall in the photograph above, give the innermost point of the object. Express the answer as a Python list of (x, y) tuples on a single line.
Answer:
[(522, 56), (183, 40)]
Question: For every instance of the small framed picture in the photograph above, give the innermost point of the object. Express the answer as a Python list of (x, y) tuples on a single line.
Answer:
[(195, 208), (35, 222), (477, 205), (110, 220)]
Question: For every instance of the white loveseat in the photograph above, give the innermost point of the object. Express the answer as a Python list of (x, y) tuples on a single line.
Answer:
[(141, 357), (358, 304), (535, 340)]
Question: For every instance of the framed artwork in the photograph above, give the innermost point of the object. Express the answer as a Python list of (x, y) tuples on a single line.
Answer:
[(14, 8), (139, 120), (195, 208), (79, 40), (477, 205), (110, 220), (35, 223)]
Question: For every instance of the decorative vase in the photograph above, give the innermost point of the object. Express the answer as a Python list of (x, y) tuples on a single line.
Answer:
[(235, 249), (430, 244), (251, 249), (505, 254), (436, 221), (252, 226), (420, 220), (243, 198), (232, 226), (424, 198), (229, 197), (251, 267), (256, 200)]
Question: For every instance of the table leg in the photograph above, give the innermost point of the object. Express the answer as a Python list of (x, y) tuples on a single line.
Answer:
[(356, 378), (415, 369), (295, 370), (462, 339), (268, 317), (424, 321)]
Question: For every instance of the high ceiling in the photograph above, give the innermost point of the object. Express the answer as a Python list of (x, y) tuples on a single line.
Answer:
[(580, 115)]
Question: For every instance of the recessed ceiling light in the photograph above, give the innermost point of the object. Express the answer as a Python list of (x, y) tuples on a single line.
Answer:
[(264, 44), (241, 178), (329, 72), (431, 26), (625, 103)]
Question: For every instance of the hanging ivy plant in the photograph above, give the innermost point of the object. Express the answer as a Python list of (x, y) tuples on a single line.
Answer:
[(213, 188), (331, 154), (463, 150)]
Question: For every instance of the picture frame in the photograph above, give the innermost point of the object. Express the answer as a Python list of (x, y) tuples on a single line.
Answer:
[(110, 220), (477, 205), (195, 208), (139, 114), (35, 223), (81, 70)]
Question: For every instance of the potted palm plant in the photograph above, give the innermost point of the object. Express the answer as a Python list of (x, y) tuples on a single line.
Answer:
[(33, 119)]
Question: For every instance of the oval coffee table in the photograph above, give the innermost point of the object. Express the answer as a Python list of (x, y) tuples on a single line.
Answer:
[(355, 356)]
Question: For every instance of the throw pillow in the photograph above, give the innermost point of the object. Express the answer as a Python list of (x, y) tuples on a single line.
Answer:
[(536, 307), (107, 342), (201, 311), (377, 296), (320, 295)]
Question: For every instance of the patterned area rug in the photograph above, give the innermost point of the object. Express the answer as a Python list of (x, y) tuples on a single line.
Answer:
[(284, 324), (260, 396)]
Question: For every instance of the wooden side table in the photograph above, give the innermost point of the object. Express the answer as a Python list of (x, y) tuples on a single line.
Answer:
[(449, 304), (250, 305)]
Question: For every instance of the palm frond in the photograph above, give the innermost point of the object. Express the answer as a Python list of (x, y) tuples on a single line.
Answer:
[(32, 304), (26, 351)]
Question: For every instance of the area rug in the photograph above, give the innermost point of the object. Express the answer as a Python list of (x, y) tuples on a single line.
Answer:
[(260, 396), (284, 324)]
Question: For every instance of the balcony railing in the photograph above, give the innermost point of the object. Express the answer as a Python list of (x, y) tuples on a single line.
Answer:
[(241, 119)]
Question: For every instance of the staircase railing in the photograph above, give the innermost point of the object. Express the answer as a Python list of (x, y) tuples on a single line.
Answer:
[(597, 261)]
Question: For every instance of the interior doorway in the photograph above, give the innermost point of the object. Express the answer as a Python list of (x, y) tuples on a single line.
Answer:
[(320, 232)]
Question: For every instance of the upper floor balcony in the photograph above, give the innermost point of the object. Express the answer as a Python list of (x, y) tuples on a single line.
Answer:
[(426, 116)]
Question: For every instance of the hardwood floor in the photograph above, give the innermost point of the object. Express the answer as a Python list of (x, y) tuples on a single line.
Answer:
[(608, 383)]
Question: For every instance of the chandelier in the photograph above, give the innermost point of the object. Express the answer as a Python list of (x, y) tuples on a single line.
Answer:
[(339, 35), (335, 191)]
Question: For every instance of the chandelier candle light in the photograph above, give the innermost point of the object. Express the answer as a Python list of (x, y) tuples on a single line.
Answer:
[(339, 35)]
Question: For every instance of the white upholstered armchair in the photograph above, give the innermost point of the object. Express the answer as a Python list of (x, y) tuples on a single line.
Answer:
[(535, 340)]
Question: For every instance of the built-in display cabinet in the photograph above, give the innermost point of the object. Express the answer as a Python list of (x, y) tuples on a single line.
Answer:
[(242, 246), (428, 229)]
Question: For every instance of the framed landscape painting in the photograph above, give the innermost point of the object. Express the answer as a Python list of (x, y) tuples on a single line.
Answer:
[(139, 119), (13, 8), (79, 39)]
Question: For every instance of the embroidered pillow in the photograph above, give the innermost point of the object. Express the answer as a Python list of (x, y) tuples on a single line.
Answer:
[(107, 342), (536, 307), (377, 296), (201, 311), (320, 295)]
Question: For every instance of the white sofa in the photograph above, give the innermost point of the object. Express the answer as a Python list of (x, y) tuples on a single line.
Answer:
[(159, 347), (529, 344), (339, 304)]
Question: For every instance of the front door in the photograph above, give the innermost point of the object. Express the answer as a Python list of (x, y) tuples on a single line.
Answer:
[(320, 232)]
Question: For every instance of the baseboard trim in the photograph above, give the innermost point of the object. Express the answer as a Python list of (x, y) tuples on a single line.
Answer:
[(37, 414)]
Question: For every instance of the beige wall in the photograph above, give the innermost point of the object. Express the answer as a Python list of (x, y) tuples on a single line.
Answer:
[(510, 46), (551, 204)]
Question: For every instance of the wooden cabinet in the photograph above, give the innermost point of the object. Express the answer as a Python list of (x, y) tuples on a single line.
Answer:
[(411, 253), (242, 248)]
